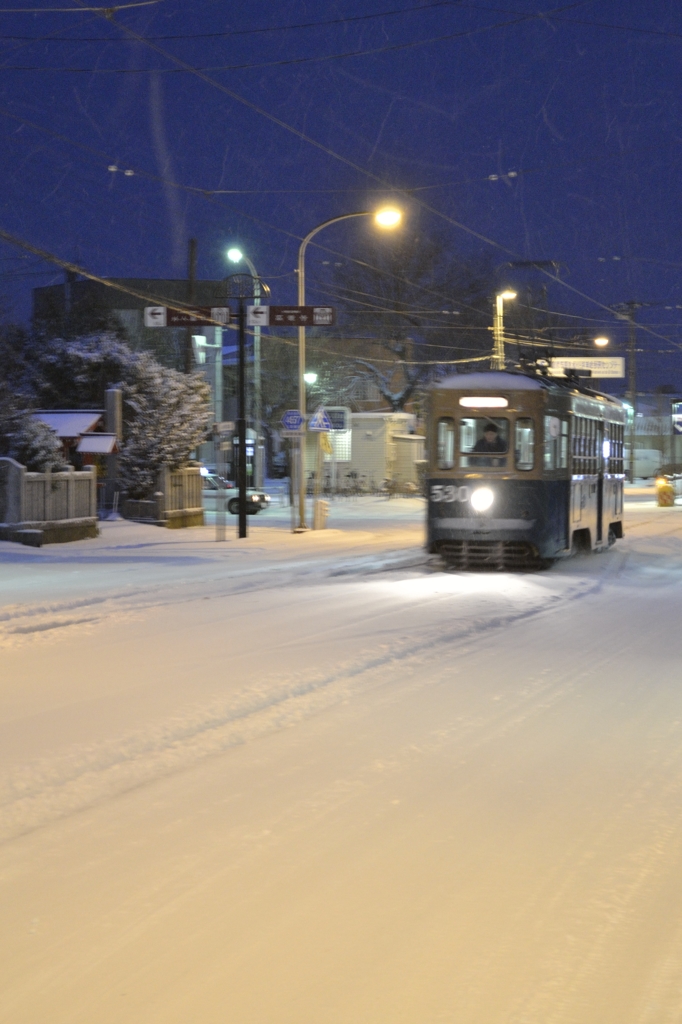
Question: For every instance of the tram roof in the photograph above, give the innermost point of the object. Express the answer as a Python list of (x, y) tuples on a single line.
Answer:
[(518, 381), (492, 379)]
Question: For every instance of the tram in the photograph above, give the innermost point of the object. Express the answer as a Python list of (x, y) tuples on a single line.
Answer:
[(524, 469)]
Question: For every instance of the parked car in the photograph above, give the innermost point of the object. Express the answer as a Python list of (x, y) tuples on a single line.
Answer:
[(256, 500)]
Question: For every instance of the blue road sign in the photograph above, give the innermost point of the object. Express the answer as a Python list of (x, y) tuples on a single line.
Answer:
[(320, 420), (292, 420)]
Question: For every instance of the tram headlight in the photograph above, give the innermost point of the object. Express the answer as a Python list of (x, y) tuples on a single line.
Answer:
[(482, 499)]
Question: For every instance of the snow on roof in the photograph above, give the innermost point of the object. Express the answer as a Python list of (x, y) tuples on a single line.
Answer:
[(490, 380), (97, 444), (69, 422)]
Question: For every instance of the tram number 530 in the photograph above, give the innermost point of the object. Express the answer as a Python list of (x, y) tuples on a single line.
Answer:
[(448, 492)]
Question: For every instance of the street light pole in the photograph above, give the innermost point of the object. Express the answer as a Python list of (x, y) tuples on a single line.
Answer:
[(387, 217), (236, 255), (497, 361)]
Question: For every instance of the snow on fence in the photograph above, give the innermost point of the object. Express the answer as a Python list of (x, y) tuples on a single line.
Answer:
[(46, 508), (176, 503)]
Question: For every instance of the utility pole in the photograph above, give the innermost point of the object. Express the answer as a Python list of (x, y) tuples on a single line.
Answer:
[(627, 311), (632, 380), (191, 288)]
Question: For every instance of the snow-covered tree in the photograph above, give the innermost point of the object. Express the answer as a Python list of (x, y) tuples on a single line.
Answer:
[(25, 439), (403, 305), (167, 416), (166, 413)]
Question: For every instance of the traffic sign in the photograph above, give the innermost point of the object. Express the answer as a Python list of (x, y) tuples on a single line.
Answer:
[(599, 366), (292, 420), (195, 316), (320, 420), (290, 316), (257, 316), (339, 417), (326, 444)]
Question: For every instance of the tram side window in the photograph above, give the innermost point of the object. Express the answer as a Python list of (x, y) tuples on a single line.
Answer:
[(524, 443), (556, 443), (579, 445), (446, 443), (483, 442), (563, 450), (616, 436)]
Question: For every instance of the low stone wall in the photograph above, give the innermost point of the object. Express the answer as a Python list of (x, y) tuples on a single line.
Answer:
[(47, 508), (176, 504)]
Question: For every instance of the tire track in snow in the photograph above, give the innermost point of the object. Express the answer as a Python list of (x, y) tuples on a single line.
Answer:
[(47, 789)]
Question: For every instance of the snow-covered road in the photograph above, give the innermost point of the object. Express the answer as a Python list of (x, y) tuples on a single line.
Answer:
[(315, 779)]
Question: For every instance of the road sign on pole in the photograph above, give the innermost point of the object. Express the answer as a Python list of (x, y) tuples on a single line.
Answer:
[(290, 316), (292, 420), (339, 416), (197, 316), (320, 420)]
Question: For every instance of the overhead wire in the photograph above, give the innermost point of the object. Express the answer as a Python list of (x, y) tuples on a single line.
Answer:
[(256, 31), (350, 163), (374, 51), (107, 11)]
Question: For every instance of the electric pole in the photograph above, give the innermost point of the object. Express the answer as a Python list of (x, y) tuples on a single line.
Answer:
[(191, 283)]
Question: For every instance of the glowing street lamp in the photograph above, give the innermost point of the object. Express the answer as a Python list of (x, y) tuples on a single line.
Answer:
[(601, 342), (310, 378), (497, 361), (386, 217)]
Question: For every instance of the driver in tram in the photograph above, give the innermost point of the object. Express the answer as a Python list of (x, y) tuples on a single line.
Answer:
[(491, 444)]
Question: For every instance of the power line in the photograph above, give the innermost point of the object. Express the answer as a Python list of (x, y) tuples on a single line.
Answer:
[(345, 160), (350, 163), (74, 268), (107, 11), (246, 31), (375, 51), (588, 24)]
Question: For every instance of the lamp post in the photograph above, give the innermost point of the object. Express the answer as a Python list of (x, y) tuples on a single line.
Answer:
[(387, 217), (497, 361), (236, 256)]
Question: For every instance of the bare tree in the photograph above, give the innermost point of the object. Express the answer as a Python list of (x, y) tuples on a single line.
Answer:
[(405, 308)]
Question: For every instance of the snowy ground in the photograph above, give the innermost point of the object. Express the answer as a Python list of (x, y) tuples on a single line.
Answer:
[(311, 779)]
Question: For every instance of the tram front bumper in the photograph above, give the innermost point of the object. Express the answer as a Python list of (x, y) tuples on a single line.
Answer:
[(502, 529)]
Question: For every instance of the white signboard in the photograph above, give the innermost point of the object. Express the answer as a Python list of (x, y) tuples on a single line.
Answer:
[(155, 316), (599, 366), (257, 316)]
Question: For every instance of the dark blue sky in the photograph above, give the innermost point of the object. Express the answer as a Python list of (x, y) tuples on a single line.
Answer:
[(583, 105)]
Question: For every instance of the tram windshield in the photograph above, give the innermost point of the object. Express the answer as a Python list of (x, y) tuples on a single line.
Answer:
[(483, 441)]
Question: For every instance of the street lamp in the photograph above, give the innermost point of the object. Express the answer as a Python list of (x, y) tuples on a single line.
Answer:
[(601, 342), (386, 217), (310, 378), (497, 361), (235, 255)]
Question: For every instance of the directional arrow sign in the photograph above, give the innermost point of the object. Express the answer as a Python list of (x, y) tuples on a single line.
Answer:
[(320, 420), (155, 316), (292, 420), (197, 316), (257, 316)]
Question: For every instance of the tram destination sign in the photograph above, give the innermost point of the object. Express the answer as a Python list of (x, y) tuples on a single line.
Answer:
[(599, 366), (290, 316), (195, 316)]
